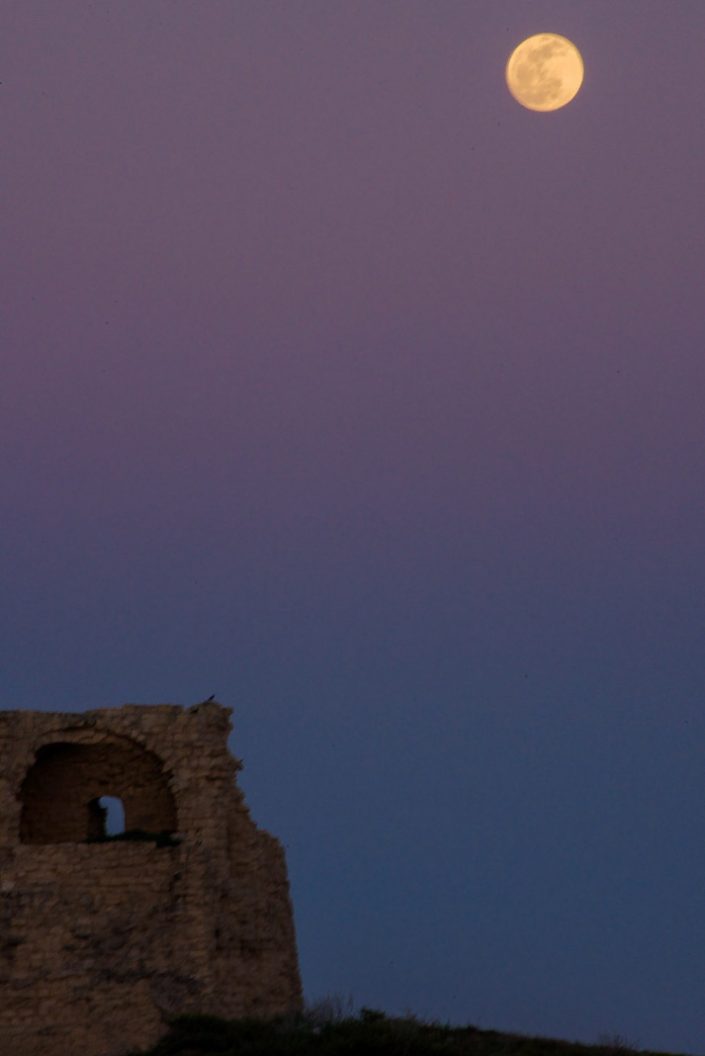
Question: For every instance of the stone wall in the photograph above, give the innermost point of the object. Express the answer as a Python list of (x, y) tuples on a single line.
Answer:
[(100, 942)]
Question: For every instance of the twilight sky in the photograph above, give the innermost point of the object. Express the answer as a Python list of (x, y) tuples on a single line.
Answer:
[(337, 384)]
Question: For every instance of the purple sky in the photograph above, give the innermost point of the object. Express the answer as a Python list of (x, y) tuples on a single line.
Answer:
[(337, 384)]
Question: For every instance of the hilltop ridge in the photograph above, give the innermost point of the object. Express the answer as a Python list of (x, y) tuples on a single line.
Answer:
[(317, 1033)]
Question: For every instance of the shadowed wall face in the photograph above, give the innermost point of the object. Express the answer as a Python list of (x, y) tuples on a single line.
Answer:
[(61, 791)]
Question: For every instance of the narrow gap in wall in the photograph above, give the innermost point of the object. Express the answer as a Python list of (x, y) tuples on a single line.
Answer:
[(114, 815)]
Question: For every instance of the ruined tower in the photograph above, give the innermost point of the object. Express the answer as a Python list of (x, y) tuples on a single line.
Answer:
[(103, 938)]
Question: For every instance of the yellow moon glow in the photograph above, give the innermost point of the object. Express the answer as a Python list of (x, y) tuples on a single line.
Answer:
[(544, 72)]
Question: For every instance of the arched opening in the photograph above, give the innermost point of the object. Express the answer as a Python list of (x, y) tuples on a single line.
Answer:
[(77, 792)]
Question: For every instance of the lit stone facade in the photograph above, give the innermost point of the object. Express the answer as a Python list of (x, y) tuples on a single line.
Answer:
[(100, 942)]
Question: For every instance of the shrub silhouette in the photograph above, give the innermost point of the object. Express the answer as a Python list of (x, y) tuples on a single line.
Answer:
[(322, 1032), (161, 839)]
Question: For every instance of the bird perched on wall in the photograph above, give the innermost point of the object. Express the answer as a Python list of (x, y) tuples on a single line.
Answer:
[(208, 700)]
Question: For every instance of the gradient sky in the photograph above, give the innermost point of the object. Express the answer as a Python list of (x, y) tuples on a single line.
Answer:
[(339, 385)]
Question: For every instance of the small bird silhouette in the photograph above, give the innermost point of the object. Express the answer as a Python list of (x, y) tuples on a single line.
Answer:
[(208, 699)]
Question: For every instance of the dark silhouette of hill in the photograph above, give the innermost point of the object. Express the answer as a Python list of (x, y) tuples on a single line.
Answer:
[(372, 1033)]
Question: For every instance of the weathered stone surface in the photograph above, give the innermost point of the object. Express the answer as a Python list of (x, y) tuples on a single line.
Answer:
[(101, 941)]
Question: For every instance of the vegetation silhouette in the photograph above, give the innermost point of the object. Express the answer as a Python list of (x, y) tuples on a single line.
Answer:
[(161, 839), (325, 1030)]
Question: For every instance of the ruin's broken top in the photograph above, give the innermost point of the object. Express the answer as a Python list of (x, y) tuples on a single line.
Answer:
[(101, 940)]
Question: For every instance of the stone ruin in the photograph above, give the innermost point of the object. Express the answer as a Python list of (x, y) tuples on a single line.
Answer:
[(103, 939)]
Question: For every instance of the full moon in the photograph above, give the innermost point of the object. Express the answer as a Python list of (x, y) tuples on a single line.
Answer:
[(544, 72)]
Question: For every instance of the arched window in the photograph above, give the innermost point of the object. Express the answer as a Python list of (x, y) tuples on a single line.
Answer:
[(73, 792)]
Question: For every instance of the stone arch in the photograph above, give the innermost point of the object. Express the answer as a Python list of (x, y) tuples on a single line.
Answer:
[(61, 788)]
